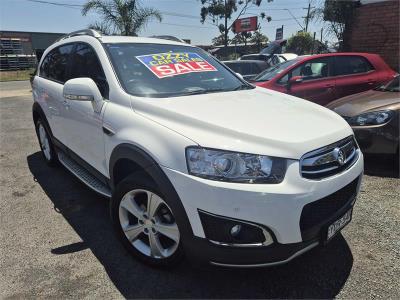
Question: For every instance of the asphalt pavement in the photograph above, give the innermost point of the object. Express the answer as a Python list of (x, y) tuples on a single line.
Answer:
[(57, 240)]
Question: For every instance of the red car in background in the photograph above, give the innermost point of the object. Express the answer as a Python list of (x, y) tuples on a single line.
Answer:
[(323, 78)]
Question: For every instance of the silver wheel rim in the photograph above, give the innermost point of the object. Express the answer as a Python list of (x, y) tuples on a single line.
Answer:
[(148, 224), (44, 142)]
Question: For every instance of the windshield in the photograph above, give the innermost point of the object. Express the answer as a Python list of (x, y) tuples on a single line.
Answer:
[(271, 72), (392, 86), (158, 70), (274, 47)]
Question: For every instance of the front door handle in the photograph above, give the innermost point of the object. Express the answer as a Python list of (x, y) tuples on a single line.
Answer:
[(65, 103)]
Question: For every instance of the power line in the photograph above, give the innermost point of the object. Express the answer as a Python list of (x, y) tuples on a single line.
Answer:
[(181, 25), (67, 5)]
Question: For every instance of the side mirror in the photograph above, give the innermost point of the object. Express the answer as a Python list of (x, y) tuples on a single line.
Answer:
[(295, 80), (82, 89), (239, 75)]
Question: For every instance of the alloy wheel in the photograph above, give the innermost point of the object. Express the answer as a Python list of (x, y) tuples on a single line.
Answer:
[(148, 223), (44, 142)]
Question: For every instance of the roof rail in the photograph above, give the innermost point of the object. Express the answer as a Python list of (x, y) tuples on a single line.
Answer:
[(90, 32)]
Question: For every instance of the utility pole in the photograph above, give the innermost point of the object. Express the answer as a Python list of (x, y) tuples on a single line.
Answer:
[(322, 30), (308, 15), (313, 44), (225, 29)]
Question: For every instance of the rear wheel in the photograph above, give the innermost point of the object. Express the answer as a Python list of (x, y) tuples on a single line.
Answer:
[(145, 223), (45, 143)]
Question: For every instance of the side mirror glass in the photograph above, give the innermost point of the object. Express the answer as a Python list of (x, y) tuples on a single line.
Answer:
[(82, 89)]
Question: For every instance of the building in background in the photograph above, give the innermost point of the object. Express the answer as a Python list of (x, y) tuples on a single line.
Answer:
[(375, 29), (22, 50)]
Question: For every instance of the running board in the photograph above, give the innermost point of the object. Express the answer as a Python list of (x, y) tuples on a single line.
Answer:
[(83, 175)]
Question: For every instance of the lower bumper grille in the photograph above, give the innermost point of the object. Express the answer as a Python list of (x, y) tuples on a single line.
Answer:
[(318, 213)]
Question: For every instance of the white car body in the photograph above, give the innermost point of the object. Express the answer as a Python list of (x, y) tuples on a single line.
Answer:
[(258, 121)]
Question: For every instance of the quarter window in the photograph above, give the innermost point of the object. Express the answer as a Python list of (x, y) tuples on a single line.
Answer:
[(346, 65), (54, 65), (84, 63)]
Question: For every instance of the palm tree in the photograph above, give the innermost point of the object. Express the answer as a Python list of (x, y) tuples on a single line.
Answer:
[(126, 17)]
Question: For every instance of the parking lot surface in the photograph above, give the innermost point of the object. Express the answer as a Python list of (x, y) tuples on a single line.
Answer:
[(57, 240)]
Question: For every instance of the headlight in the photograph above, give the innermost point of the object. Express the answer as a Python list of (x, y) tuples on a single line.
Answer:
[(371, 118), (235, 167)]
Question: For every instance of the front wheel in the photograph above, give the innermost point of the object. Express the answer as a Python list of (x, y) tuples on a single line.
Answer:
[(145, 223), (45, 143)]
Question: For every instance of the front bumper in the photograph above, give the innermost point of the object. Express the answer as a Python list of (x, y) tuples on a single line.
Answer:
[(277, 207), (380, 139)]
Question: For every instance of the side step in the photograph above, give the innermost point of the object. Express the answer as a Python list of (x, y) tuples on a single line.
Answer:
[(83, 175)]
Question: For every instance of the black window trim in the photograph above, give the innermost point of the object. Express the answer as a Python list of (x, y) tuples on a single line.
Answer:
[(373, 69), (67, 65), (98, 59), (330, 64)]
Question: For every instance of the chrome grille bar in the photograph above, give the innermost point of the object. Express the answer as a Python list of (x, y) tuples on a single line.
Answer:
[(329, 160)]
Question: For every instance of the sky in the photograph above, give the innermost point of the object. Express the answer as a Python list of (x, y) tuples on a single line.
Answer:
[(181, 18)]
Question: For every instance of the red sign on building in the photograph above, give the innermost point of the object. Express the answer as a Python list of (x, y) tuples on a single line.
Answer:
[(245, 24)]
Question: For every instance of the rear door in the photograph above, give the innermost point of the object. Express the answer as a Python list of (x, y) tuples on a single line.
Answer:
[(50, 83), (318, 84), (353, 74)]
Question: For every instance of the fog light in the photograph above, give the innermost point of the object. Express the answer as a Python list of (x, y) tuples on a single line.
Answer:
[(235, 230)]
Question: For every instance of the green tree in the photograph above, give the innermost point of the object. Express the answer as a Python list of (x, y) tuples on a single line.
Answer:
[(242, 38), (300, 43), (222, 11), (337, 16), (125, 17), (219, 40), (259, 39)]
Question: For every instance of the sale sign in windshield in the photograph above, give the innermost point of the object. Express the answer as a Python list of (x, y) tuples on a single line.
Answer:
[(175, 63)]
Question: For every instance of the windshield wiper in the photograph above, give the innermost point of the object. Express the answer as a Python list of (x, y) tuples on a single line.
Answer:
[(201, 91), (243, 87)]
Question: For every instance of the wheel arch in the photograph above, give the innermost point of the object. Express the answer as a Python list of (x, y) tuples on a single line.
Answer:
[(127, 159), (38, 113)]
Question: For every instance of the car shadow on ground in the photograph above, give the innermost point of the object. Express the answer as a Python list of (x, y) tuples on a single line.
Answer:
[(321, 273), (381, 165)]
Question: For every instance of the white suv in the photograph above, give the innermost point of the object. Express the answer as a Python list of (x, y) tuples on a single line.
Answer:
[(196, 161)]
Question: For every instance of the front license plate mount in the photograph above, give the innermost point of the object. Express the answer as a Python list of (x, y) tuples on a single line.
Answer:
[(338, 225)]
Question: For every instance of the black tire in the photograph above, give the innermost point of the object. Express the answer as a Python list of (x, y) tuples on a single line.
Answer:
[(52, 159), (141, 180)]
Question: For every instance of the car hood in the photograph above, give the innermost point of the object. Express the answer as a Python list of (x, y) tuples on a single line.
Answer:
[(257, 121), (362, 102)]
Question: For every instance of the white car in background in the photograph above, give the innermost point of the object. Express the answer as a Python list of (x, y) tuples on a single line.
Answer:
[(196, 161), (272, 60)]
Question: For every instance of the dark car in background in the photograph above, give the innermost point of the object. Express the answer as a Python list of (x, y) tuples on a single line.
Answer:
[(374, 117), (323, 78), (247, 68)]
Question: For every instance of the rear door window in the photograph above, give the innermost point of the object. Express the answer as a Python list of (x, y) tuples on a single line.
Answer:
[(348, 65), (54, 65), (85, 63)]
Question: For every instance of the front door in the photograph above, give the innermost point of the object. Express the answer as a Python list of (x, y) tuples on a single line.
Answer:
[(83, 119), (317, 84)]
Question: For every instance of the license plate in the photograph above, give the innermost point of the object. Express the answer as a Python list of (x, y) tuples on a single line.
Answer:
[(339, 224)]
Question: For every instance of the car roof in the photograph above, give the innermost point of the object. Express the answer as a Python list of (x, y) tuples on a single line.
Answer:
[(247, 61), (140, 40), (308, 57)]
